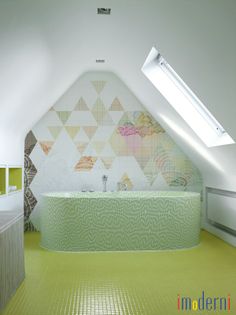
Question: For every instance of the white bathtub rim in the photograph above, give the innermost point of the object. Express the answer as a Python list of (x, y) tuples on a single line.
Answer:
[(94, 195)]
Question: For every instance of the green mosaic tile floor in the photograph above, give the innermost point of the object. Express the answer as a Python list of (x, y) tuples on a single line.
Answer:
[(139, 283)]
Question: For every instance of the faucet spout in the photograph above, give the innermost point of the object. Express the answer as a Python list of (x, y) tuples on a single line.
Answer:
[(104, 180)]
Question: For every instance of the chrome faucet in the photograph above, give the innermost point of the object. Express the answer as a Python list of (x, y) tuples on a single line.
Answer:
[(104, 181)]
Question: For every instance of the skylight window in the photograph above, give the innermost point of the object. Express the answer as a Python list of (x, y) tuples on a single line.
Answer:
[(184, 101)]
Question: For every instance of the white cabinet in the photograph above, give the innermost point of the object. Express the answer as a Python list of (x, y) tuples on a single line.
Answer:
[(12, 270)]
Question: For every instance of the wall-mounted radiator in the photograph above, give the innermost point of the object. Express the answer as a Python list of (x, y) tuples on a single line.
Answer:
[(221, 209)]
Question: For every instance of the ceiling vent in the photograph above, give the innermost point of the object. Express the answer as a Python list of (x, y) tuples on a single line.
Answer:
[(106, 11), (100, 60)]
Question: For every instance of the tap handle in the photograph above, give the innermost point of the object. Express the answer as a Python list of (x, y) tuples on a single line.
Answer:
[(118, 186), (104, 177)]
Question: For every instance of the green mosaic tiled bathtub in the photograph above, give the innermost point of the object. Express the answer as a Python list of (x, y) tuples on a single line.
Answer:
[(118, 221)]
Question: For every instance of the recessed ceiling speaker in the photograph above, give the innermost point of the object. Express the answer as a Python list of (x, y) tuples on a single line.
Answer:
[(106, 11), (100, 60)]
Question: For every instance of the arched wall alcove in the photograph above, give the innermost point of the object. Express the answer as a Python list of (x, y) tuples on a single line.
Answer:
[(99, 127)]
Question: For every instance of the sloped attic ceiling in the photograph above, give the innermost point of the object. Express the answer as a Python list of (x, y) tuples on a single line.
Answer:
[(47, 44)]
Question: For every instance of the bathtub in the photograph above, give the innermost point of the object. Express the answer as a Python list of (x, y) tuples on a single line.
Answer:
[(120, 221)]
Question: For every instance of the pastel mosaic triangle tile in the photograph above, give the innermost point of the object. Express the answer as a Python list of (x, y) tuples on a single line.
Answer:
[(63, 115), (125, 120), (116, 105), (90, 131), (81, 105), (99, 117), (99, 111), (85, 164), (107, 161), (72, 131), (98, 85), (98, 106), (55, 131), (81, 146), (46, 146)]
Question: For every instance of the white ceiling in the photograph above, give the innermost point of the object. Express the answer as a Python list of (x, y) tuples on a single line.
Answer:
[(45, 45)]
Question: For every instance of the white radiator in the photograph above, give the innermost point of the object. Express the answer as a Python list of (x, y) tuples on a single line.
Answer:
[(221, 208)]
